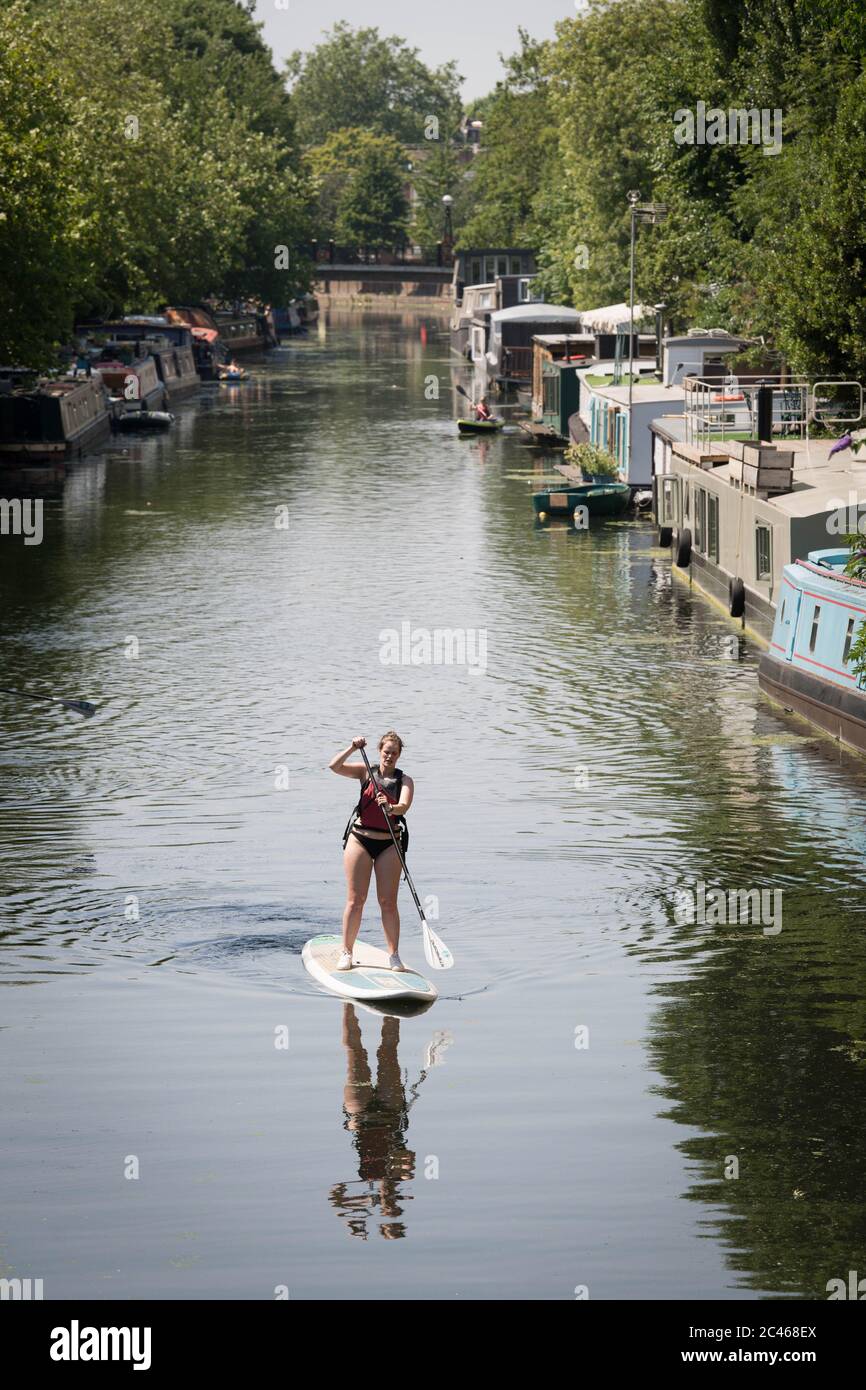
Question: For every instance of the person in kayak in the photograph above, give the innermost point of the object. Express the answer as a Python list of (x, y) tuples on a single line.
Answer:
[(482, 410), (368, 844)]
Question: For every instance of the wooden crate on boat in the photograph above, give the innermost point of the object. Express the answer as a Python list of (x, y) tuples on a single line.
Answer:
[(763, 468)]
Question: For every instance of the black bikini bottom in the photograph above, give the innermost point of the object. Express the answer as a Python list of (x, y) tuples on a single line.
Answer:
[(375, 847)]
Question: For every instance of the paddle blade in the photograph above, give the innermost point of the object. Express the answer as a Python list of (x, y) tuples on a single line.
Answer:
[(435, 950), (82, 707)]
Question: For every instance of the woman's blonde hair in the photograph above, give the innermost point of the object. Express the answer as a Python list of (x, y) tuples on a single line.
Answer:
[(391, 734)]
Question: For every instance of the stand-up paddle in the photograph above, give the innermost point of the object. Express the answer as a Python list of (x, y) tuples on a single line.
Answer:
[(435, 950), (82, 707)]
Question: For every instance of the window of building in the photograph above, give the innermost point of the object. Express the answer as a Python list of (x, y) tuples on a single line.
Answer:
[(849, 638), (516, 267), (813, 635), (502, 265), (476, 272), (763, 552), (551, 395), (713, 527)]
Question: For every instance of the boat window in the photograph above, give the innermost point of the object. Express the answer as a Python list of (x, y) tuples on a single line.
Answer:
[(502, 266), (700, 519), (516, 267), (713, 527), (476, 272), (849, 637), (813, 635), (782, 618), (763, 553)]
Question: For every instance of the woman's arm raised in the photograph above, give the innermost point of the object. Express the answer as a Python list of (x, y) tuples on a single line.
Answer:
[(338, 763)]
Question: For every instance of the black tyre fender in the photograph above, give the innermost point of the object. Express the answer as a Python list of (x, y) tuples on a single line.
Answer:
[(666, 535), (683, 548), (736, 598)]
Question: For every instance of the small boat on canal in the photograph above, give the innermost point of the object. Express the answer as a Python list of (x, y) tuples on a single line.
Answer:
[(600, 500), (479, 426)]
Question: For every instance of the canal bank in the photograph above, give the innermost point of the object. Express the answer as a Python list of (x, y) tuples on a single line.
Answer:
[(596, 1059)]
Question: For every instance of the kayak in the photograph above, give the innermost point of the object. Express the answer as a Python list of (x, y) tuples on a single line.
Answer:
[(608, 499), (479, 426), (371, 977)]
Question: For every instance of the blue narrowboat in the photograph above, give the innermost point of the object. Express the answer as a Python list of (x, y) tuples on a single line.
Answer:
[(808, 667)]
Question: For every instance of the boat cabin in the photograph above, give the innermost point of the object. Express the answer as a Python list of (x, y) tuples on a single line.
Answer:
[(556, 359), (808, 666)]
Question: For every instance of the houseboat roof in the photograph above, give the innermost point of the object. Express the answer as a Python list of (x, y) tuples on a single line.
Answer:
[(707, 338), (641, 393), (819, 484), (534, 312)]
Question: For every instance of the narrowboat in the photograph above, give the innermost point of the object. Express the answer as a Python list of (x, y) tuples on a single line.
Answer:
[(131, 377), (54, 420), (808, 667), (171, 346), (600, 499)]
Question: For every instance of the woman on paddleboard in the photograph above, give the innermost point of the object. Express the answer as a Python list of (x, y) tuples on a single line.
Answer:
[(368, 844)]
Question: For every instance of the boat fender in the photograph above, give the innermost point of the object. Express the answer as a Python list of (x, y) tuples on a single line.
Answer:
[(666, 535), (736, 598), (683, 548)]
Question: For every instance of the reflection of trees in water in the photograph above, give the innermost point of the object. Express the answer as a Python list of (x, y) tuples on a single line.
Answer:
[(751, 1064), (377, 1116)]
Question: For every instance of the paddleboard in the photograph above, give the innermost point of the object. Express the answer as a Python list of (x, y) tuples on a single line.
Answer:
[(370, 978)]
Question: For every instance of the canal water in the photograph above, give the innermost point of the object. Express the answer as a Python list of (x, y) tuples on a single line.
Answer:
[(620, 1093)]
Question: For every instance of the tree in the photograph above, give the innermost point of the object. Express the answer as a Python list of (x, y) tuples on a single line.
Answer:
[(355, 78), (39, 206), (437, 174), (519, 159), (353, 165), (373, 211)]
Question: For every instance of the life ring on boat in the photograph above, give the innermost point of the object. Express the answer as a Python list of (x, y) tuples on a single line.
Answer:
[(736, 598), (683, 548), (666, 535)]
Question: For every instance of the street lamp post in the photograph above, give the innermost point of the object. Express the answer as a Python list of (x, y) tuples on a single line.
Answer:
[(448, 234), (638, 212)]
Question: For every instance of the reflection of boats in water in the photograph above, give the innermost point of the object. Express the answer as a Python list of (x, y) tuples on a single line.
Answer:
[(376, 1114)]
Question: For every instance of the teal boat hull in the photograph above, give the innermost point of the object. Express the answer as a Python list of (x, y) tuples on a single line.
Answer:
[(608, 499)]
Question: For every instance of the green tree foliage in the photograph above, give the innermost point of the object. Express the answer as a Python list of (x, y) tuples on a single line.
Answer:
[(373, 211), (354, 164), (769, 245), (40, 216), (514, 173), (167, 152), (356, 78), (437, 173)]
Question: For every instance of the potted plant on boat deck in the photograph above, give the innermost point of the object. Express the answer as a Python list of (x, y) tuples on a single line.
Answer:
[(596, 465)]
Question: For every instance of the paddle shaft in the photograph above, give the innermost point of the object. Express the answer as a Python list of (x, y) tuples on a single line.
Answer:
[(396, 844)]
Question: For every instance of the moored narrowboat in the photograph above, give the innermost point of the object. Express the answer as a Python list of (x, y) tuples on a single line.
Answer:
[(132, 380), (808, 667), (54, 420)]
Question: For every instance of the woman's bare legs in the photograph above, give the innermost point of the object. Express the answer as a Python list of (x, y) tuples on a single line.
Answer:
[(387, 883), (359, 867)]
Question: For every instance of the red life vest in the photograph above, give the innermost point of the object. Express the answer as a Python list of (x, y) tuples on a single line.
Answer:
[(370, 816)]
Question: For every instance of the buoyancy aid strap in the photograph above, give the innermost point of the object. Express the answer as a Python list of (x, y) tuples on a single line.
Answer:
[(399, 822)]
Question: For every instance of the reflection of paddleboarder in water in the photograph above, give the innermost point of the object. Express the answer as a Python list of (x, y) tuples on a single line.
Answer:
[(377, 1116)]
